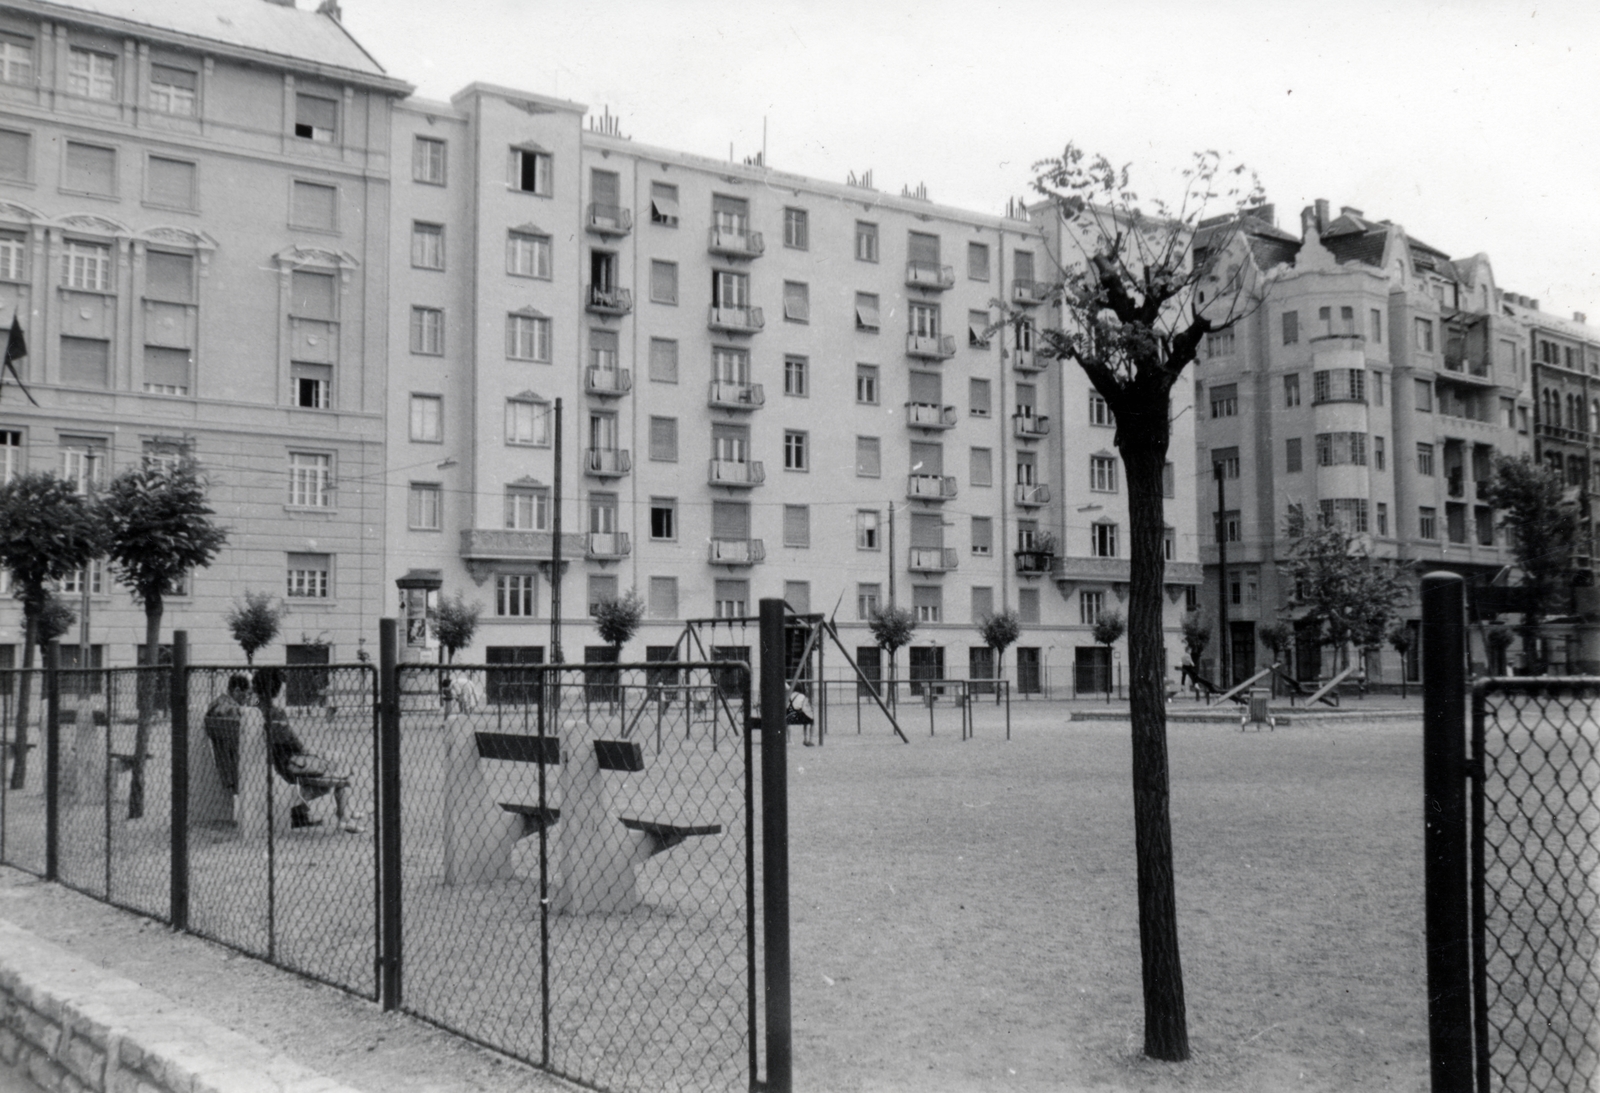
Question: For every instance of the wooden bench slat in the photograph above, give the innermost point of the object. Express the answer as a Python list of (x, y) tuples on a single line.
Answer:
[(624, 755), (545, 750), (669, 831)]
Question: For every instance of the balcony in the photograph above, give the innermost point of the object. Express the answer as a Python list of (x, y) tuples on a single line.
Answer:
[(1029, 293), (607, 462), (737, 474), (1034, 563), (727, 395), (1561, 432), (932, 560), (609, 220), (931, 347), (484, 550), (1029, 426), (930, 415), (1032, 496), (608, 301), (930, 487), (736, 243), (736, 320), (608, 546), (1465, 363), (607, 382), (1026, 360), (930, 275), (1114, 570), (737, 552)]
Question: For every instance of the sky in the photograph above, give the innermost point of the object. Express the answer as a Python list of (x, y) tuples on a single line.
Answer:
[(1474, 124)]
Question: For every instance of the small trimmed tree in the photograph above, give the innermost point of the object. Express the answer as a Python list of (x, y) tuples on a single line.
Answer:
[(617, 620), (254, 622), (1278, 637), (56, 618), (1000, 630), (1399, 638), (1196, 636), (892, 628), (1343, 594), (1108, 628), (455, 622)]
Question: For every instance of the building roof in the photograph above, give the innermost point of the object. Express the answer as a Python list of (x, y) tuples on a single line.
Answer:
[(257, 25)]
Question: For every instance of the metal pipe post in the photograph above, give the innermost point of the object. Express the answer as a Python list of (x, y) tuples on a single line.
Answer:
[(775, 850), (52, 759), (389, 952), (179, 702)]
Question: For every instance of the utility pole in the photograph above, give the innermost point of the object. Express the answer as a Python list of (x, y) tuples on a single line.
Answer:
[(1224, 639), (555, 551), (891, 555)]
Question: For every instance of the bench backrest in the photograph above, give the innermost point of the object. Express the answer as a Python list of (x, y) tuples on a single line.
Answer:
[(624, 755), (519, 749)]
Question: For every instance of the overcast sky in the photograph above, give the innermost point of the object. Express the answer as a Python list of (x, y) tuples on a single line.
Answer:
[(1474, 124)]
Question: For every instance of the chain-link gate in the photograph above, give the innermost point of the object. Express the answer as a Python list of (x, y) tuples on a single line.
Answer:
[(1536, 883), (22, 773), (578, 868)]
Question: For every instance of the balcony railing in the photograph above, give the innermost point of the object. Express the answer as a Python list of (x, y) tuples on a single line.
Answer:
[(930, 275), (740, 475), (609, 219), (932, 347), (607, 462), (484, 550), (930, 415), (1034, 563), (607, 382), (1032, 496), (604, 545), (1116, 570), (1029, 426), (736, 552), (736, 320), (1470, 364), (609, 301), (737, 243), (932, 559), (930, 487), (1026, 360), (1029, 293), (727, 395)]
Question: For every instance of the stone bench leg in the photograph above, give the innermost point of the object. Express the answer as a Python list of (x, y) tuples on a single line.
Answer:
[(599, 859), (479, 836), (257, 779)]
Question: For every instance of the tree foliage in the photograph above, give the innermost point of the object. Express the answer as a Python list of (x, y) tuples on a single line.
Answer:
[(455, 622), (1543, 526), (1278, 637), (1196, 635), (254, 622), (1343, 595), (617, 620), (55, 619), (892, 628), (1109, 627), (1000, 630)]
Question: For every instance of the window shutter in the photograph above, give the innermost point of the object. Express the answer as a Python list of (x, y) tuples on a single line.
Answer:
[(315, 206), (981, 469), (927, 530), (730, 520), (171, 182), (927, 387), (931, 456), (311, 295), (14, 149), (978, 395), (796, 525), (85, 362), (663, 597), (982, 603), (169, 277), (868, 461), (1023, 262), (664, 282), (663, 360), (921, 247), (166, 367), (664, 439), (982, 534), (90, 169)]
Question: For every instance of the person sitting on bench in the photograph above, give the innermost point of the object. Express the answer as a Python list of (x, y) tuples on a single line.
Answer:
[(313, 775), (222, 729)]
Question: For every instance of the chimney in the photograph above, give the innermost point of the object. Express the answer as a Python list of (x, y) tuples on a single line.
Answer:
[(1350, 210), (1534, 304), (1265, 212), (1580, 317), (1322, 213)]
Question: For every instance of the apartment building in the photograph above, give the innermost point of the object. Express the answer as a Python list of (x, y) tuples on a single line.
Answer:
[(194, 222), (1372, 386), (770, 386)]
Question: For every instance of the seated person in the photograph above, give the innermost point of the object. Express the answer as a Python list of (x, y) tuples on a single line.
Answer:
[(222, 729), (314, 775)]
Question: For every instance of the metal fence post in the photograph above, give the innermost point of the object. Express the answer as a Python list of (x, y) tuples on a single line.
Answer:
[(179, 701), (52, 759), (1444, 695), (389, 950), (775, 849)]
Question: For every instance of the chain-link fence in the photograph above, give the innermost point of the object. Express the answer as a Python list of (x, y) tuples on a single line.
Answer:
[(578, 868), (22, 774), (1536, 883)]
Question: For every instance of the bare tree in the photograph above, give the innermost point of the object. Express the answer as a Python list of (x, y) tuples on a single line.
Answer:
[(1142, 284)]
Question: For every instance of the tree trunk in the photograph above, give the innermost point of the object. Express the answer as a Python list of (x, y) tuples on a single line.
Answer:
[(1166, 1034), (19, 752), (149, 684)]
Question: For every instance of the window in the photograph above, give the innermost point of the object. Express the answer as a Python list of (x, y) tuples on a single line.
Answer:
[(730, 216), (16, 59), (310, 480), (170, 182), (86, 266), (16, 156), (1028, 604), (528, 338), (1424, 341), (663, 282), (1169, 480), (514, 595), (1291, 327), (794, 450), (532, 171), (663, 603), (1090, 607), (72, 584), (796, 376), (1375, 325), (1424, 396), (868, 460), (796, 302), (312, 295), (427, 245), (868, 598), (427, 331), (663, 360), (527, 422), (1427, 523), (1169, 543), (1383, 518), (1325, 318), (982, 602), (980, 467), (664, 204), (796, 229), (1291, 455), (423, 512), (315, 118), (1377, 388), (866, 241), (867, 311), (977, 261), (729, 289), (1219, 343), (85, 362), (1225, 400), (1291, 389), (528, 255), (428, 161), (868, 384), (1425, 459), (978, 329), (927, 600), (90, 169), (92, 75), (664, 518), (1231, 528), (1339, 385), (729, 365), (10, 454), (315, 206), (1227, 459), (982, 535), (1103, 540), (1338, 449), (602, 589), (730, 598), (166, 371), (308, 576), (867, 529), (526, 509), (312, 383), (797, 525), (1102, 474), (427, 424), (1100, 411), (923, 320), (664, 439), (1377, 452)]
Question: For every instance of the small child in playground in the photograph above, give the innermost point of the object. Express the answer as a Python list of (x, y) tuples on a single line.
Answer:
[(799, 713)]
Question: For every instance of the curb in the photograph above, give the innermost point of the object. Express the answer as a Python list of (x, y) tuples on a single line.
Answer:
[(72, 1026)]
